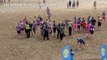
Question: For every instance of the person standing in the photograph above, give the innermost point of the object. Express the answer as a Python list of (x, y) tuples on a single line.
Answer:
[(72, 53), (73, 5), (77, 3), (104, 16), (79, 25), (22, 26), (31, 29), (95, 4), (45, 31), (18, 28), (42, 30), (92, 29), (54, 28), (84, 24), (58, 30), (48, 13), (70, 28), (47, 10), (34, 27), (70, 3), (93, 21), (66, 24), (27, 29), (61, 33), (88, 20), (63, 25), (74, 28), (88, 30), (99, 22)]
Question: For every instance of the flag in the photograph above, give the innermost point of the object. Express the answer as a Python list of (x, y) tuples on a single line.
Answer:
[(66, 53), (103, 52)]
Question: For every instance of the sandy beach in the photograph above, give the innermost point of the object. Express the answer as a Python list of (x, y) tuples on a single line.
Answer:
[(14, 47)]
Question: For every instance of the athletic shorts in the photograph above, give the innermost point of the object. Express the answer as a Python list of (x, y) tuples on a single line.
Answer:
[(103, 17), (78, 26), (27, 31), (18, 32), (91, 31), (22, 29), (54, 30), (99, 23)]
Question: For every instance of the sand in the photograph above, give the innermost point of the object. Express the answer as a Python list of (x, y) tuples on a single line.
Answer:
[(14, 47)]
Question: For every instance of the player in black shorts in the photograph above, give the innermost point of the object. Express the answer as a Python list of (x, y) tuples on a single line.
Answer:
[(99, 22), (54, 28), (70, 3)]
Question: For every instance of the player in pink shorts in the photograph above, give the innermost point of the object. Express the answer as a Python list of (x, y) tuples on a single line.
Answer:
[(88, 30), (74, 27)]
